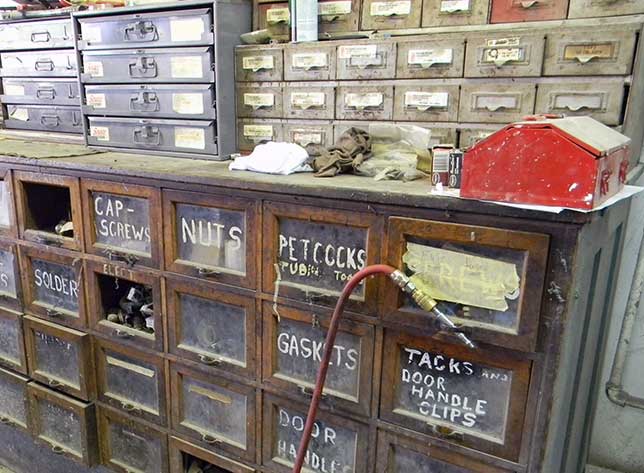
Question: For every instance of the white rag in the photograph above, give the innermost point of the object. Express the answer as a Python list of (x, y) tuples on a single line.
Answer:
[(273, 158)]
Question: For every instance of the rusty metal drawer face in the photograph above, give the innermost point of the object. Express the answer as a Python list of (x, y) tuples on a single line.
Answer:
[(276, 17), (309, 101), (508, 11), (491, 102), (602, 100), (590, 52), (468, 137), (40, 91), (364, 102), (455, 12), (10, 282), (260, 100), (391, 14), (61, 119), (475, 399), (53, 63), (308, 134), (338, 16), (372, 60), (46, 34), (254, 132), (427, 59), (339, 441), (498, 55), (147, 29), (305, 63), (14, 408), (426, 103), (12, 348), (183, 455), (66, 425), (259, 64), (594, 8), (218, 414)]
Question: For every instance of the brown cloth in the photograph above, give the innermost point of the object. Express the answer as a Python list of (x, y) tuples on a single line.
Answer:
[(352, 148)]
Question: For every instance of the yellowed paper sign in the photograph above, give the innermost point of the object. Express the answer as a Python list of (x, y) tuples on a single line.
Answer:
[(304, 138), (96, 100), (334, 8), (94, 68), (258, 131), (186, 29), (186, 67), (14, 89), (101, 133), (185, 137), (257, 63), (191, 104)]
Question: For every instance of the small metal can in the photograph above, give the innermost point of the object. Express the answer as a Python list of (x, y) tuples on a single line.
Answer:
[(455, 166)]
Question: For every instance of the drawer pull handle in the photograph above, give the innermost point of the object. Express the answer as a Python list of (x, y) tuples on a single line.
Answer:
[(54, 384), (46, 93), (48, 241), (40, 37), (147, 135), (209, 439), (57, 450), (529, 4), (143, 68), (53, 313), (446, 432), (205, 272), (128, 407), (144, 102), (122, 334), (209, 360), (52, 121), (112, 255), (330, 18), (44, 65), (141, 32), (5, 420), (307, 391)]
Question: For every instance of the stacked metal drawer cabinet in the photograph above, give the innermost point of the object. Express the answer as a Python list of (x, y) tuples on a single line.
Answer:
[(161, 79), (38, 69)]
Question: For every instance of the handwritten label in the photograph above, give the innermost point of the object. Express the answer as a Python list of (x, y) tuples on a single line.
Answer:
[(186, 67), (310, 60), (96, 100), (258, 131), (426, 100), (257, 101), (503, 55), (334, 8), (57, 359), (187, 137), (13, 89), (94, 68), (587, 52), (60, 425), (101, 133), (364, 100), (512, 41), (7, 274), (257, 63), (122, 222), (364, 50), (304, 138), (454, 6), (429, 57), (186, 29), (55, 285), (278, 15), (306, 100), (395, 8), (188, 104)]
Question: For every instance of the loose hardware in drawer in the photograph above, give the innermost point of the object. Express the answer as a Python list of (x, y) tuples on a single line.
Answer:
[(424, 102), (12, 348), (129, 445), (337, 443), (51, 63), (391, 14), (126, 304), (338, 16), (309, 133), (45, 34), (14, 408), (252, 132), (364, 101), (62, 119), (499, 301), (187, 457), (499, 55), (66, 425), (178, 136), (276, 17), (259, 64), (195, 101), (40, 91), (212, 327), (187, 65), (309, 101), (8, 224), (60, 357), (260, 100), (475, 399), (310, 63), (590, 52), (131, 381), (594, 8), (54, 286), (310, 253), (292, 342), (493, 102), (166, 28), (430, 58), (10, 282), (455, 12), (372, 60), (508, 11), (218, 414)]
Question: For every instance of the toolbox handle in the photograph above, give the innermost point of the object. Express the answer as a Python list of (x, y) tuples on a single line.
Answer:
[(144, 102), (44, 65), (50, 120), (37, 34), (142, 67), (141, 32), (46, 93), (147, 135)]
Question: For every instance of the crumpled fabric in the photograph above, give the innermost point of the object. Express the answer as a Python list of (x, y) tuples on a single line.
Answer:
[(352, 149), (274, 158)]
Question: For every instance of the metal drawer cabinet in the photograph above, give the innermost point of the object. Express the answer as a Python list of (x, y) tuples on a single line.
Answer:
[(367, 60), (188, 27), (61, 119), (14, 408), (426, 102), (308, 101), (176, 136), (309, 133), (260, 100), (183, 455), (50, 63), (276, 17), (310, 63), (216, 413), (10, 282), (455, 12), (40, 91), (12, 347), (196, 101), (594, 8), (364, 101), (442, 133), (66, 425), (430, 58), (252, 132), (391, 14), (498, 55), (36, 34), (8, 225), (60, 357), (338, 16), (468, 137), (264, 64), (580, 52), (508, 11), (496, 102), (172, 65)]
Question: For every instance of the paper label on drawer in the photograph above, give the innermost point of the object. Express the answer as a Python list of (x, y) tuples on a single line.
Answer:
[(101, 133), (310, 60), (306, 100), (304, 138), (186, 67), (191, 104), (194, 138), (94, 68), (96, 100), (426, 100), (503, 55), (397, 8), (91, 33), (575, 102), (586, 52), (257, 63), (369, 99), (496, 103), (452, 6), (14, 89), (187, 29), (334, 8), (367, 50), (259, 100), (427, 57), (258, 131), (19, 113), (513, 41), (278, 15)]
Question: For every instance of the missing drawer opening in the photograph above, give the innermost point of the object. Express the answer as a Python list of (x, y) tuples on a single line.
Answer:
[(56, 216), (192, 464)]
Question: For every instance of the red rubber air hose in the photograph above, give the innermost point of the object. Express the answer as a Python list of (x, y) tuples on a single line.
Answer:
[(328, 350)]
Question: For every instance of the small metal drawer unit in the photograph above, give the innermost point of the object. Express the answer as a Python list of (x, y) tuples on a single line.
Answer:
[(160, 79)]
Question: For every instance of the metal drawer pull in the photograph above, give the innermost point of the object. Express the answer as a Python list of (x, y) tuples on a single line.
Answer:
[(44, 65), (121, 334), (128, 407), (36, 35), (529, 4), (309, 392), (112, 255), (147, 135), (53, 313), (329, 18), (54, 384), (209, 360), (141, 32), (46, 93), (57, 449), (209, 439), (205, 272), (143, 67), (48, 241), (50, 120), (5, 420), (144, 102), (446, 432)]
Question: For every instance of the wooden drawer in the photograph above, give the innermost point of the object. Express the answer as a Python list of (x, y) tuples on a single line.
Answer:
[(252, 132), (301, 257), (309, 101), (211, 326), (509, 11), (338, 443), (14, 409), (8, 225), (455, 12), (309, 133), (472, 398), (60, 358), (260, 100), (367, 60), (430, 58), (500, 55), (54, 285), (12, 346), (259, 64), (111, 287), (310, 63), (494, 102), (468, 137), (581, 52), (131, 380), (293, 345), (217, 413), (211, 237), (184, 455), (594, 8), (123, 222), (426, 103), (338, 16), (364, 101), (128, 445), (10, 281), (276, 17), (66, 425), (37, 222), (391, 14)]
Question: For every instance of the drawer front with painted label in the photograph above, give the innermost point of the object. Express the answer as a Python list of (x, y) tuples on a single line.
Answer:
[(391, 14), (12, 349), (317, 63), (261, 64), (594, 8), (592, 52), (54, 63), (63, 119), (468, 137), (47, 34), (187, 65), (508, 11), (372, 60), (504, 56), (10, 282), (254, 132), (260, 100), (429, 103), (364, 102), (338, 16), (455, 12), (308, 134), (40, 91), (176, 28), (602, 100), (425, 59), (496, 103), (276, 17), (309, 102), (14, 408)]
